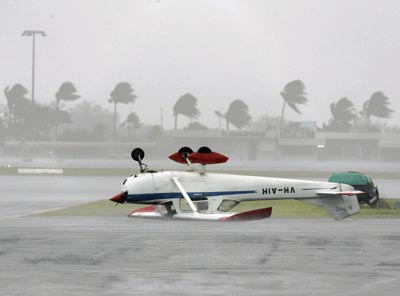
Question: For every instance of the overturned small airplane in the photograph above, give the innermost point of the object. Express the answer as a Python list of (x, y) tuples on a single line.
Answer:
[(197, 194)]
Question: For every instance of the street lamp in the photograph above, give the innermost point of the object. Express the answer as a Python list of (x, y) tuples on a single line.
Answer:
[(33, 33)]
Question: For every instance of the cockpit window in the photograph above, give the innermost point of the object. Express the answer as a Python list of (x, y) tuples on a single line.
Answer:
[(124, 182)]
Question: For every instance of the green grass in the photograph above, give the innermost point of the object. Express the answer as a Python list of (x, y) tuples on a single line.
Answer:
[(298, 209), (284, 209), (367, 212), (101, 208), (280, 209)]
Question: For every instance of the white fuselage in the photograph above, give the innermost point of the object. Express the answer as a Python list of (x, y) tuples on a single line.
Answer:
[(152, 188)]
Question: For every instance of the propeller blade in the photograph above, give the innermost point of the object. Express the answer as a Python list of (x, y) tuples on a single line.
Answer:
[(119, 198)]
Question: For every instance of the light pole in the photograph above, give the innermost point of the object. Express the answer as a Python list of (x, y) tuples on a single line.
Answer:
[(33, 33)]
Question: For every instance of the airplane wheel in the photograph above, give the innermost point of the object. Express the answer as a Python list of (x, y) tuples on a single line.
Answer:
[(185, 151), (137, 154), (204, 149)]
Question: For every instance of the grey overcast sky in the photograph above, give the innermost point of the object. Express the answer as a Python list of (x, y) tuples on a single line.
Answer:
[(219, 50)]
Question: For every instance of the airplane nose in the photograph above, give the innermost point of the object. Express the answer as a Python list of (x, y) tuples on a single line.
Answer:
[(119, 198)]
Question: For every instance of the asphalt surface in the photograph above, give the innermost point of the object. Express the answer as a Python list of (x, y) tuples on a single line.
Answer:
[(25, 195), (233, 163), (121, 256)]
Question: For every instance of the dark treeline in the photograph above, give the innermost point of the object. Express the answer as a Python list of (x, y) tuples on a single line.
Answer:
[(27, 120)]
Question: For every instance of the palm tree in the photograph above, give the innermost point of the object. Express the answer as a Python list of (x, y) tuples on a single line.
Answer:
[(377, 106), (42, 118), (237, 114), (31, 119), (186, 105), (293, 94), (15, 98), (66, 92), (122, 93), (132, 122), (343, 112)]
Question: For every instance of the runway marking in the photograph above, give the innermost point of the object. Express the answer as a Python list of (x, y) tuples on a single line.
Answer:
[(42, 171)]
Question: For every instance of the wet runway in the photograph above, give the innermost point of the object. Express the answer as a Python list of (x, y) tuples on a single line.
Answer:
[(120, 256), (25, 195)]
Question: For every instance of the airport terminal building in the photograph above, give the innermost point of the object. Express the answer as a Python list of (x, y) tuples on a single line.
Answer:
[(247, 145), (239, 145)]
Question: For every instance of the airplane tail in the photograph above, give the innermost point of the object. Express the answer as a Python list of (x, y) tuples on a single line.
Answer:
[(338, 206)]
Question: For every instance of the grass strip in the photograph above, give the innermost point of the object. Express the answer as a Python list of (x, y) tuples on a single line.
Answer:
[(280, 209)]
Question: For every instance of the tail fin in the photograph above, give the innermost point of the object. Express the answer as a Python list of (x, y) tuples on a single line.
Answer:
[(338, 206)]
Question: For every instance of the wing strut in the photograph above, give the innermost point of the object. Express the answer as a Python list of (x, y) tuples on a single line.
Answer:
[(184, 193)]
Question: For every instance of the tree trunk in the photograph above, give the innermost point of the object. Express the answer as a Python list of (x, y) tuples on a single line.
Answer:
[(176, 121), (115, 123), (56, 125), (283, 111)]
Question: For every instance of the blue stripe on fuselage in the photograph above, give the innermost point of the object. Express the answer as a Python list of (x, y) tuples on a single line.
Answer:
[(142, 197)]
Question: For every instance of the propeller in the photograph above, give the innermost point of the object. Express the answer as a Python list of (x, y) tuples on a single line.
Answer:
[(120, 198)]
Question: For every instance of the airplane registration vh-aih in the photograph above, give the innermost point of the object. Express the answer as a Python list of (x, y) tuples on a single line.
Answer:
[(197, 194)]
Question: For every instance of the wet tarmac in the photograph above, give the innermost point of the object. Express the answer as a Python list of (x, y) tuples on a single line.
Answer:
[(26, 195), (232, 164), (120, 256)]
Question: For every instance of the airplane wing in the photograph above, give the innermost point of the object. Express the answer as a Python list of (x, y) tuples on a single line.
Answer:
[(154, 212)]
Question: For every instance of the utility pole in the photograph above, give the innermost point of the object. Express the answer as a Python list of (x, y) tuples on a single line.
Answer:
[(162, 118), (33, 33)]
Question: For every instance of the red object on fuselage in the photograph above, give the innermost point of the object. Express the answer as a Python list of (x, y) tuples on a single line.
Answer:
[(201, 158)]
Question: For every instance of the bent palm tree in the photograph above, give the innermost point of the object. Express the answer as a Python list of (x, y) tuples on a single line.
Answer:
[(343, 112), (237, 114), (66, 92), (186, 105), (132, 120), (122, 93), (293, 94), (15, 97), (377, 106)]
